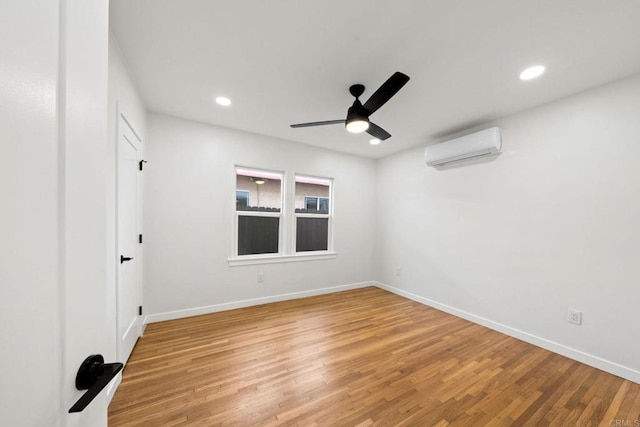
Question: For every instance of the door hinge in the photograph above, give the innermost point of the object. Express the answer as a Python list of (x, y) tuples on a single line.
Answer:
[(141, 162), (139, 310), (139, 238)]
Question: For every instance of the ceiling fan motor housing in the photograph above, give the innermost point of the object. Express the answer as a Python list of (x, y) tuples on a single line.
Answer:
[(356, 90), (357, 112)]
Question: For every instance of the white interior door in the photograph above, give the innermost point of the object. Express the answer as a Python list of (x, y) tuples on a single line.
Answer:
[(128, 293), (53, 111)]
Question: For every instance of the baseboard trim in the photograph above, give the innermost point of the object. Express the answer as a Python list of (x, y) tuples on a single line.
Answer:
[(572, 353), (586, 358), (178, 314)]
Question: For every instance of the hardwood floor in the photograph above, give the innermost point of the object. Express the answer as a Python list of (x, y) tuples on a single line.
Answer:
[(357, 358)]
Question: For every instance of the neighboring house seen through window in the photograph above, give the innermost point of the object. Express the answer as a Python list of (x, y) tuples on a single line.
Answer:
[(319, 204), (242, 199)]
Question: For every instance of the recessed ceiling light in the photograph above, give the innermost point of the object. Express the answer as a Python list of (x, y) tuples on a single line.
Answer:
[(532, 72), (374, 141), (223, 100)]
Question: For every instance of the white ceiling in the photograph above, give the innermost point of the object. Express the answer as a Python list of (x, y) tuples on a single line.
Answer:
[(291, 61)]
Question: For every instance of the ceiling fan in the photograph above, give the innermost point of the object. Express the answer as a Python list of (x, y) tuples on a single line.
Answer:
[(357, 120)]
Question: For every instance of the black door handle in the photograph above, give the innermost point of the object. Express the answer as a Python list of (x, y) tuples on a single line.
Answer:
[(124, 258), (93, 376)]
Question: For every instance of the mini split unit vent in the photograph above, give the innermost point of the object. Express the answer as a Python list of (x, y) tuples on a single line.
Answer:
[(480, 144)]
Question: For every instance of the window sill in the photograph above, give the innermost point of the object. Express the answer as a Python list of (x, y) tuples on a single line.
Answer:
[(274, 259)]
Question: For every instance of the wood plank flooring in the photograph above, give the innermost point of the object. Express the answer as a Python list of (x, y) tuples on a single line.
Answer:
[(357, 358)]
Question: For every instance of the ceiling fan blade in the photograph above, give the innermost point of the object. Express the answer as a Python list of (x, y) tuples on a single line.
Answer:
[(386, 91), (326, 122), (377, 132)]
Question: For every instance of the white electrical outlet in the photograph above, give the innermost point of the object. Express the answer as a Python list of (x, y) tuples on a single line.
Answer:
[(260, 277), (398, 271), (574, 316)]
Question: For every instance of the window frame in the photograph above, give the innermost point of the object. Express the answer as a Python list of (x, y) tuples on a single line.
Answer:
[(287, 223), (328, 215), (238, 213)]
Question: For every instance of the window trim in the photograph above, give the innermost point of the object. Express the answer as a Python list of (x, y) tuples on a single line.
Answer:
[(274, 258)]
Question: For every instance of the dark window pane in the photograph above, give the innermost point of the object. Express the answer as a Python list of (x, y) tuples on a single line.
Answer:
[(312, 234), (242, 199), (311, 203), (258, 235), (324, 205)]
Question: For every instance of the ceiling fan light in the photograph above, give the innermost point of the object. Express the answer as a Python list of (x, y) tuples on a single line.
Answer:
[(357, 126)]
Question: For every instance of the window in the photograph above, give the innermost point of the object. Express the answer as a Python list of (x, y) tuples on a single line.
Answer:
[(242, 199), (312, 214), (318, 204), (258, 212), (281, 217)]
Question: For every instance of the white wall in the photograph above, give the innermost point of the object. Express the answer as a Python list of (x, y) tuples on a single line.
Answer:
[(189, 212), (123, 92), (552, 223)]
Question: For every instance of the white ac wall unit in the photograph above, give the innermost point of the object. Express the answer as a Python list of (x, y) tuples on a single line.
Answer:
[(479, 144)]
